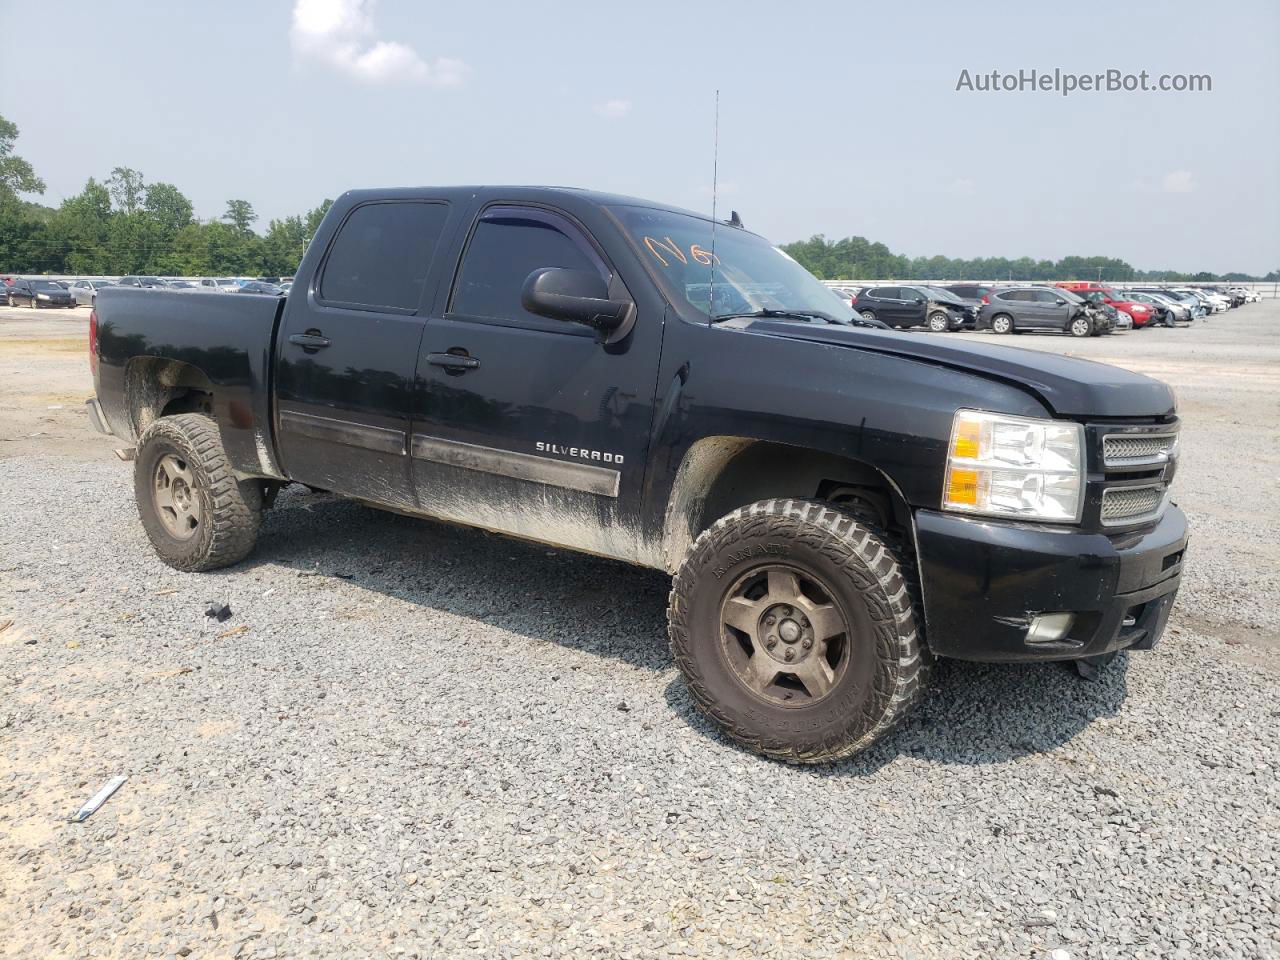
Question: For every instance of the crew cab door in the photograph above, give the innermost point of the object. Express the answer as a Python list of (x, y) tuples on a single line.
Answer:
[(347, 347), (527, 425)]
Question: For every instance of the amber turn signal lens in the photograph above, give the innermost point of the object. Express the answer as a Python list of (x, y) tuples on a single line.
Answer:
[(966, 443), (962, 487)]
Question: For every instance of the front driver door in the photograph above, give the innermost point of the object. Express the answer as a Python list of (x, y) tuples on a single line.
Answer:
[(527, 425)]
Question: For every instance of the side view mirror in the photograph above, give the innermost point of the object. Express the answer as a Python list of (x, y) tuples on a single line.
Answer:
[(1060, 302), (918, 299), (578, 296)]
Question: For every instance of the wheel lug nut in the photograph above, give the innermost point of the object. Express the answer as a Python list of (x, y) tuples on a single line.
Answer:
[(771, 642), (791, 653), (807, 643), (770, 620)]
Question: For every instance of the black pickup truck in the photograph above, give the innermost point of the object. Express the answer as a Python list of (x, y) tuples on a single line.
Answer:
[(838, 502)]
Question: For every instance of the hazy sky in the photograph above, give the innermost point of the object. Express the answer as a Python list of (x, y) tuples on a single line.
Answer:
[(836, 117)]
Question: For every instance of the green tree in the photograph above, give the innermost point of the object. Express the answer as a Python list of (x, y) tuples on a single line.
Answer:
[(16, 175), (128, 188), (81, 228), (167, 207), (241, 215)]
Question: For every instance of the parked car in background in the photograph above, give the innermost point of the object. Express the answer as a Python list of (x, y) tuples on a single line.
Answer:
[(912, 306), (1018, 309), (1193, 305), (980, 292), (138, 281), (1140, 313), (1166, 313), (85, 292), (286, 287), (257, 286), (37, 293), (218, 284), (1212, 302)]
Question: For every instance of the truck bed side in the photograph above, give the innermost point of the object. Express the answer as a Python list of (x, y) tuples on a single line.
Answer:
[(164, 351)]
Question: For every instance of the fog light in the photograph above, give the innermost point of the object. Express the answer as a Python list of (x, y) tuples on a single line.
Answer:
[(1050, 627)]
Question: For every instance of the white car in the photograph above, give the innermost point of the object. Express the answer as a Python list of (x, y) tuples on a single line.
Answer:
[(1215, 302), (218, 284)]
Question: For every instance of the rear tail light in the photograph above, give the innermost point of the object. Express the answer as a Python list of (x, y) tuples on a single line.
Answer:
[(93, 341)]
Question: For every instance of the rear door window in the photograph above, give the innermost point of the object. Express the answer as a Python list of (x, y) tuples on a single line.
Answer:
[(380, 257)]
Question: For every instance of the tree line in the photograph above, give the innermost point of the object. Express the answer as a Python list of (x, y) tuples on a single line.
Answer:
[(122, 224), (856, 258)]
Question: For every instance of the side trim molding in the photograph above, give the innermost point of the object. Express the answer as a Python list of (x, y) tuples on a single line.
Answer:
[(522, 466), (380, 439)]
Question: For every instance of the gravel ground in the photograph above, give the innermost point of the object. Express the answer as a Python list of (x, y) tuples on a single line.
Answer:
[(413, 739)]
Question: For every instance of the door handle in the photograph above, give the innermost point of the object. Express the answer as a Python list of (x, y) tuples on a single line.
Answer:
[(452, 361), (310, 341)]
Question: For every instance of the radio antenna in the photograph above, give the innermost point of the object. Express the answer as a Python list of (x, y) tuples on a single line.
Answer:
[(715, 171)]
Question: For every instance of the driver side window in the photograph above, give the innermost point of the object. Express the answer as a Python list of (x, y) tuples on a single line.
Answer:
[(508, 244)]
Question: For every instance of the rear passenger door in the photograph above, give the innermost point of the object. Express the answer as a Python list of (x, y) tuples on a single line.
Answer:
[(347, 348), (887, 306), (528, 425)]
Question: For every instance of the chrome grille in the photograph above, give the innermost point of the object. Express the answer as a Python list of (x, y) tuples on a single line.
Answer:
[(1131, 504), (1121, 450)]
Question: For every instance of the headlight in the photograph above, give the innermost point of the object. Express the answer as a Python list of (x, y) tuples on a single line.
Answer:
[(1008, 466), (42, 296)]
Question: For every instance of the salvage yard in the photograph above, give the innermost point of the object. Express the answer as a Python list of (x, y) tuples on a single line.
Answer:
[(412, 739)]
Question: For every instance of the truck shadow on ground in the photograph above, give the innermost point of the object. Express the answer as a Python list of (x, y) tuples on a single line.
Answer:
[(973, 714)]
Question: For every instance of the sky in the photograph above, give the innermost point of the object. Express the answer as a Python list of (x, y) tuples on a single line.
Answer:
[(840, 118)]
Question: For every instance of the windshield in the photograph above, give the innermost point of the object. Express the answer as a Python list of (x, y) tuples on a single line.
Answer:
[(1070, 297), (750, 273)]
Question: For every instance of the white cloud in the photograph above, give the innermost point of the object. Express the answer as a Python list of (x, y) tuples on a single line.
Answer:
[(614, 109), (963, 187), (1178, 181), (340, 34)]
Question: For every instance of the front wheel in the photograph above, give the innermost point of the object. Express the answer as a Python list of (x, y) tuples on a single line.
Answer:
[(197, 515), (939, 322), (1002, 323), (793, 625), (1081, 327)]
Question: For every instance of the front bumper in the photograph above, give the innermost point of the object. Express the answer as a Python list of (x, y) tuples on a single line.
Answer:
[(985, 580)]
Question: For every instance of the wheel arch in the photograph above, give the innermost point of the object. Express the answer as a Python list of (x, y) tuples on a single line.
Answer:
[(160, 386), (719, 474)]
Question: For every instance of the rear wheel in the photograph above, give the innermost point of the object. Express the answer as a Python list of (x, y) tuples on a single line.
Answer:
[(795, 629), (939, 322), (1002, 323), (197, 515)]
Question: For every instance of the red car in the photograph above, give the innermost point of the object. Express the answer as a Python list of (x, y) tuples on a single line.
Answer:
[(1141, 313)]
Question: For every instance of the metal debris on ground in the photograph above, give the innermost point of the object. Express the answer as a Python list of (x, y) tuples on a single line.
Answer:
[(98, 799), (243, 628)]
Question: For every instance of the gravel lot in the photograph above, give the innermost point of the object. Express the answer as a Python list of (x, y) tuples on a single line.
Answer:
[(412, 739)]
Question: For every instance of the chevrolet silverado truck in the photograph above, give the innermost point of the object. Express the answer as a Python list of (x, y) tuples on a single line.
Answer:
[(838, 502)]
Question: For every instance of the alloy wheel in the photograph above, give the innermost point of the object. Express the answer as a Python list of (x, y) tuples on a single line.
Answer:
[(784, 636)]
